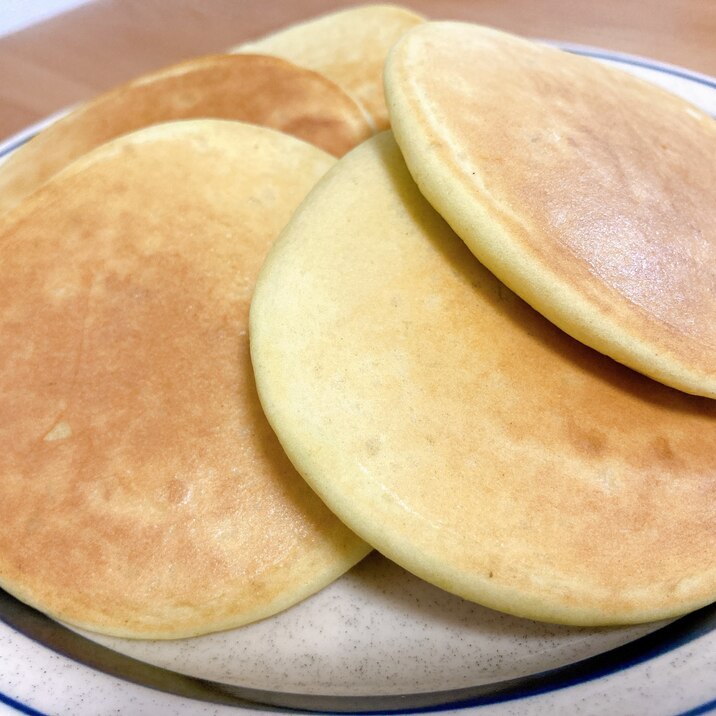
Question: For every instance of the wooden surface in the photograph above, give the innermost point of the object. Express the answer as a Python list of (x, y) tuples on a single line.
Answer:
[(77, 55)]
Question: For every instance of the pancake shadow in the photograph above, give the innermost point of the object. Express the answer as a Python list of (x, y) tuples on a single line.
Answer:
[(420, 603), (489, 290)]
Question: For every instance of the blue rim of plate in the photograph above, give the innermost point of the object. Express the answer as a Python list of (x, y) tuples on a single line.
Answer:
[(67, 643)]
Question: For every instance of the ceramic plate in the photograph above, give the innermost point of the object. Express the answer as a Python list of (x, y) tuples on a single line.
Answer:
[(377, 640)]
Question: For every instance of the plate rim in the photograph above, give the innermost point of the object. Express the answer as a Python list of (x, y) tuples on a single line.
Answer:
[(639, 651)]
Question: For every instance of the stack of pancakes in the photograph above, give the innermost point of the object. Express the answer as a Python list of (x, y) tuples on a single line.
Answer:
[(484, 345)]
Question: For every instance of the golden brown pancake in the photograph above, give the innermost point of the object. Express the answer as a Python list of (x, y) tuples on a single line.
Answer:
[(589, 192), (252, 88), (348, 46), (142, 492), (461, 433)]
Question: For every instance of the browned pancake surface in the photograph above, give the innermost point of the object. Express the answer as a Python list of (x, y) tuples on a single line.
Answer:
[(252, 88), (462, 434), (589, 192), (142, 492), (348, 46)]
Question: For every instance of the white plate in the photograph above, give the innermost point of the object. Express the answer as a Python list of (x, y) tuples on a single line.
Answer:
[(379, 639)]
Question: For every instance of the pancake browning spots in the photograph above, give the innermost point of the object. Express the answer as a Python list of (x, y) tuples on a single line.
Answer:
[(142, 492), (348, 46), (252, 88), (462, 434), (589, 192)]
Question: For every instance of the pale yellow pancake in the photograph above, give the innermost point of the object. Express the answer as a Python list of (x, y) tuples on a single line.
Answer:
[(461, 433), (251, 88), (589, 192), (142, 492), (348, 47)]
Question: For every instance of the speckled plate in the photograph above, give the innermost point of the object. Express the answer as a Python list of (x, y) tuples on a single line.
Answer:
[(377, 640)]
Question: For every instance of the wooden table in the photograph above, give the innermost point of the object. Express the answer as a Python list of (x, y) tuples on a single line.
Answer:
[(79, 54)]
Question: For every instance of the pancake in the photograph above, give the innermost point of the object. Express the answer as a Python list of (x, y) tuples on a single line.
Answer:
[(348, 46), (143, 493), (261, 90), (589, 192), (462, 434)]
